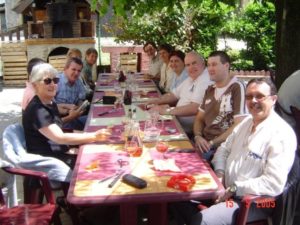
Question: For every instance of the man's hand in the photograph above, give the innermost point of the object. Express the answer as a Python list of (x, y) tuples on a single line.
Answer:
[(64, 108), (152, 102), (74, 113), (160, 108), (227, 195), (202, 144), (69, 106)]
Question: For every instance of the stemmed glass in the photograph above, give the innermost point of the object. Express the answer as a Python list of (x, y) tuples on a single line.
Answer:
[(162, 147), (133, 149)]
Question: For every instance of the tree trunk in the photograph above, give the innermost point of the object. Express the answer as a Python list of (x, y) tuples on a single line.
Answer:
[(287, 39)]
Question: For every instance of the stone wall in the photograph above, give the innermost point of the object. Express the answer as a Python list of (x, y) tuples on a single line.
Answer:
[(12, 19), (42, 47)]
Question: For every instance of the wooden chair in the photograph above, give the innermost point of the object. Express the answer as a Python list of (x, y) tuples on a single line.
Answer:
[(30, 214)]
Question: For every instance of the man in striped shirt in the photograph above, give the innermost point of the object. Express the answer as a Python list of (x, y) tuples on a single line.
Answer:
[(222, 108)]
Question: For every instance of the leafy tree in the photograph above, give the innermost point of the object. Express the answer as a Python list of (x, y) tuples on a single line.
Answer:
[(287, 25), (187, 27), (255, 24)]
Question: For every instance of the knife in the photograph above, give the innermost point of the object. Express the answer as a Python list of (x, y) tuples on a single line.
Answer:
[(107, 112), (114, 181), (182, 150)]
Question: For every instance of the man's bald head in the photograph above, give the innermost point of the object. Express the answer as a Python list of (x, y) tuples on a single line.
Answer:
[(194, 63)]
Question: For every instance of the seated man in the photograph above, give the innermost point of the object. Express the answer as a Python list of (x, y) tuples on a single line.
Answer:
[(90, 60), (72, 91), (222, 108), (188, 95), (155, 62), (255, 159)]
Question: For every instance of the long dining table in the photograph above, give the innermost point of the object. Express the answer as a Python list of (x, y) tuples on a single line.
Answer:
[(97, 176)]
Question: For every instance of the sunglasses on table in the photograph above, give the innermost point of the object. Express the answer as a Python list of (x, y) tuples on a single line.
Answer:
[(48, 81)]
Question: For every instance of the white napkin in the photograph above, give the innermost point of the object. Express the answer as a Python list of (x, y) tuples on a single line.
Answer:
[(166, 165)]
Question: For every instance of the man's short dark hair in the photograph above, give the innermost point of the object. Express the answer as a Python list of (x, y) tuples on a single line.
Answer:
[(90, 51), (166, 47), (224, 57), (75, 60), (149, 43), (32, 62), (267, 80), (178, 53)]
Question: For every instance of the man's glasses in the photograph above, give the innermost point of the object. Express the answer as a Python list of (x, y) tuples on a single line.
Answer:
[(48, 81), (258, 97)]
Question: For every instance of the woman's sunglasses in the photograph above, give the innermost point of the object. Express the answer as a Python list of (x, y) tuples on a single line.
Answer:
[(49, 80)]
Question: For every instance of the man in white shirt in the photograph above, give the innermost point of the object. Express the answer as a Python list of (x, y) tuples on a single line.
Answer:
[(188, 95), (255, 159)]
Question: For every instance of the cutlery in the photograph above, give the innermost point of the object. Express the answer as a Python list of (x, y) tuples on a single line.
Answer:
[(107, 112), (182, 150), (107, 178), (114, 181)]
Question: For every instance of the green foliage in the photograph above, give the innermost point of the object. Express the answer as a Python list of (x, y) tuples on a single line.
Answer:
[(184, 26), (197, 24), (256, 26)]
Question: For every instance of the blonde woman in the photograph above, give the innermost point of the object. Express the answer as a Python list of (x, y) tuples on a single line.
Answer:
[(42, 123)]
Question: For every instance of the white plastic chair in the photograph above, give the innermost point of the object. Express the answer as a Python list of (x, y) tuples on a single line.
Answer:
[(14, 152)]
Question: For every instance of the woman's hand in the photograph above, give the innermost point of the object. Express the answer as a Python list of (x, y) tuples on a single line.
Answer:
[(102, 134)]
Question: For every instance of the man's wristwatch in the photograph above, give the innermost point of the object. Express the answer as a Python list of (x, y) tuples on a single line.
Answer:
[(233, 188), (168, 110)]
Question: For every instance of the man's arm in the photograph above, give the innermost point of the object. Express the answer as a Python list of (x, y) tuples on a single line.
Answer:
[(185, 110), (168, 98), (64, 108), (202, 144), (221, 138), (72, 114)]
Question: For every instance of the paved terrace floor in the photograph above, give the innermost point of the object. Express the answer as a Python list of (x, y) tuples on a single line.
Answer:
[(10, 112)]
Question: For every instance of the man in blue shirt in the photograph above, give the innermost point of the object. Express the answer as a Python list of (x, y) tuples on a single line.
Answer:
[(72, 91)]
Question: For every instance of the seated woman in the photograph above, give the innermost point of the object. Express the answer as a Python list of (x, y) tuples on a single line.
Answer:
[(165, 71), (43, 125), (177, 65)]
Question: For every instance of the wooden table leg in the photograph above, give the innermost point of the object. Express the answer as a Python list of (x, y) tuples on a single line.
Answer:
[(128, 214), (157, 214)]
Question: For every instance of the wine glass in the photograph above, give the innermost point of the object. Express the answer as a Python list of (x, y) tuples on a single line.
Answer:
[(162, 147), (133, 149)]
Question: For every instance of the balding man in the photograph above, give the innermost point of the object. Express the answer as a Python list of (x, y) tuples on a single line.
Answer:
[(188, 96)]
